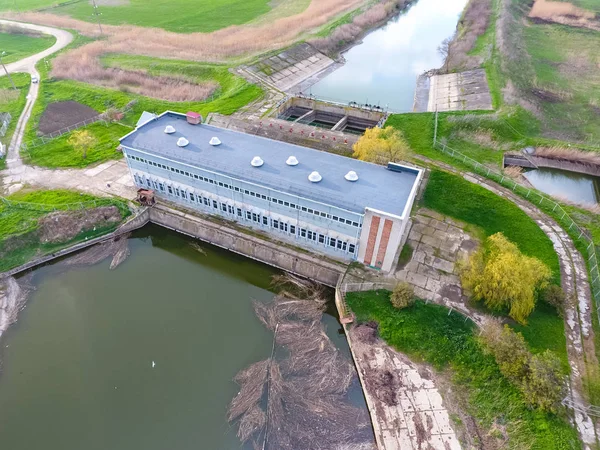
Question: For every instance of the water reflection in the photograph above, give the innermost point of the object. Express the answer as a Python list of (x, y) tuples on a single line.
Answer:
[(575, 187), (383, 69)]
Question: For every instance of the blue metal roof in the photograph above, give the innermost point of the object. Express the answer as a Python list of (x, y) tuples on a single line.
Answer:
[(377, 187)]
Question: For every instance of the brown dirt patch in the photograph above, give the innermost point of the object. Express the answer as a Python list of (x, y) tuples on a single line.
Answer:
[(60, 115), (563, 13), (62, 226)]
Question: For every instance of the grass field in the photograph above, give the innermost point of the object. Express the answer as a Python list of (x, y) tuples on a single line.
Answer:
[(427, 333), (234, 92), (183, 16), (20, 223), (18, 46)]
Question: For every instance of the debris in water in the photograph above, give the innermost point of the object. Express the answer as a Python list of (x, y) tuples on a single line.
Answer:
[(198, 248), (153, 364), (117, 249), (299, 401)]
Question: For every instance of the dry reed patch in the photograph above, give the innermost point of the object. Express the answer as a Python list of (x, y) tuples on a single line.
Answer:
[(569, 154), (564, 13), (482, 137)]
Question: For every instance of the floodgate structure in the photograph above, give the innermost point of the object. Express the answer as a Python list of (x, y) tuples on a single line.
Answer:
[(341, 207)]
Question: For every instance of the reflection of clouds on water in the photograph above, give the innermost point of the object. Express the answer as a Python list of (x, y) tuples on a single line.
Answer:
[(572, 186), (385, 66)]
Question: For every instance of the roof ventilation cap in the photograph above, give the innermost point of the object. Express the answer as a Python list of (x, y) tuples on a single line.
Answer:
[(351, 176), (214, 141), (257, 161), (292, 161), (315, 177), (182, 142), (169, 129)]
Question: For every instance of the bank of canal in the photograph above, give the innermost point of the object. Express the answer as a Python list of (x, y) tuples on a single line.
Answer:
[(383, 68), (77, 367)]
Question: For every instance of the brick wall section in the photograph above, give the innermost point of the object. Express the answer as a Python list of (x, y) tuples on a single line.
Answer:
[(373, 230), (383, 243)]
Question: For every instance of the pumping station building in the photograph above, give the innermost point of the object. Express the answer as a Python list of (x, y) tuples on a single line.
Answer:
[(330, 204)]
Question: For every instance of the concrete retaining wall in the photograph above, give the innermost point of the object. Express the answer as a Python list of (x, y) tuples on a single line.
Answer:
[(372, 116), (263, 250), (570, 166)]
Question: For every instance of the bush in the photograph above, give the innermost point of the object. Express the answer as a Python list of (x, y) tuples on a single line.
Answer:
[(555, 296), (403, 295), (544, 385)]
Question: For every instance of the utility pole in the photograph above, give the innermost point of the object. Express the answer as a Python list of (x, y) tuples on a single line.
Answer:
[(97, 14), (7, 74)]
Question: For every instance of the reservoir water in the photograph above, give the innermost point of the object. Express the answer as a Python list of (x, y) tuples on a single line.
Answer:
[(383, 69), (141, 357), (576, 187)]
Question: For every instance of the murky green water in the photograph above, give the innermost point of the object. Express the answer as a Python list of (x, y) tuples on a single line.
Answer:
[(77, 367), (383, 69), (575, 187)]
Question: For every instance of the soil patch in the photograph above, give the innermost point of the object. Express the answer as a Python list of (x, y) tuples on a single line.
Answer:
[(62, 226), (59, 115)]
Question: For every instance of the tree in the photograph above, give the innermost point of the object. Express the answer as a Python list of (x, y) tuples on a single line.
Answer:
[(555, 296), (445, 52), (508, 349), (381, 145), (504, 278), (544, 387), (82, 141), (403, 295)]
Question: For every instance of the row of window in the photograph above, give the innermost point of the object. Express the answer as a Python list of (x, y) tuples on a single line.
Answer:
[(247, 192), (257, 218)]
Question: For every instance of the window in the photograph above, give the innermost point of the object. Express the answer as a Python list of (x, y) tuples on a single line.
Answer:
[(355, 224), (192, 198), (215, 204), (237, 189), (344, 246), (321, 239), (339, 245), (349, 222), (286, 203), (309, 234), (248, 215), (224, 207), (351, 248), (161, 187), (332, 242), (264, 197), (304, 208), (323, 214), (177, 171), (177, 192), (303, 232), (230, 209), (247, 192), (292, 206), (284, 227), (220, 184), (255, 217), (149, 183), (170, 190), (335, 218), (293, 229), (239, 212), (280, 201), (253, 194), (265, 220), (172, 170), (206, 201), (155, 184), (276, 224), (196, 176), (310, 211), (184, 194)]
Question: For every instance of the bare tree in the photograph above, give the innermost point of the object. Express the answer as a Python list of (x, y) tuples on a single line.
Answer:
[(444, 51)]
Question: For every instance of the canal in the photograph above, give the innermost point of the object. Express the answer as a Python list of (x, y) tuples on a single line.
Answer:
[(141, 357), (575, 187), (383, 69)]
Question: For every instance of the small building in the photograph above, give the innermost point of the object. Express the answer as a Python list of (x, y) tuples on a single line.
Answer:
[(331, 204)]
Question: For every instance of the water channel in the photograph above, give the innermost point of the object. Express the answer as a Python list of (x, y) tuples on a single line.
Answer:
[(383, 69), (77, 366), (576, 187)]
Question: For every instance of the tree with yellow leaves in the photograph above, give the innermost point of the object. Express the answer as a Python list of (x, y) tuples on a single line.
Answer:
[(501, 276), (82, 141), (381, 145)]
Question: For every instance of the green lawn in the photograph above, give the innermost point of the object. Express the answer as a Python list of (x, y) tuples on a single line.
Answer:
[(182, 16), (18, 224), (427, 333), (13, 102), (18, 46), (234, 92)]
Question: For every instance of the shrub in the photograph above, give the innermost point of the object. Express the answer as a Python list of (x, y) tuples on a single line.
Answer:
[(555, 296), (381, 145), (504, 278), (403, 295)]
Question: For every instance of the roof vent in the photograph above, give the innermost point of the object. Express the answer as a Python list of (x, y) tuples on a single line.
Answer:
[(257, 161), (292, 161), (315, 177), (351, 176), (182, 142), (214, 141), (169, 129)]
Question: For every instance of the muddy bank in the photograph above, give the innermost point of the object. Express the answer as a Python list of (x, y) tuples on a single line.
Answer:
[(13, 296)]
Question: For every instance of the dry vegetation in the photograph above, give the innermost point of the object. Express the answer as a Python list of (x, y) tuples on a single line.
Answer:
[(346, 33), (569, 154), (12, 29), (564, 13), (298, 401), (473, 24)]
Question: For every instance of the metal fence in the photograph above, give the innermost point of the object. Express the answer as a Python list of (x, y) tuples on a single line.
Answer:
[(50, 208), (556, 210), (51, 136), (5, 118)]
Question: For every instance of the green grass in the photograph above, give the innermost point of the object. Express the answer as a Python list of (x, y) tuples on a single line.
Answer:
[(181, 16), (456, 197), (18, 224), (19, 46), (58, 152), (427, 333), (233, 93), (13, 103)]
